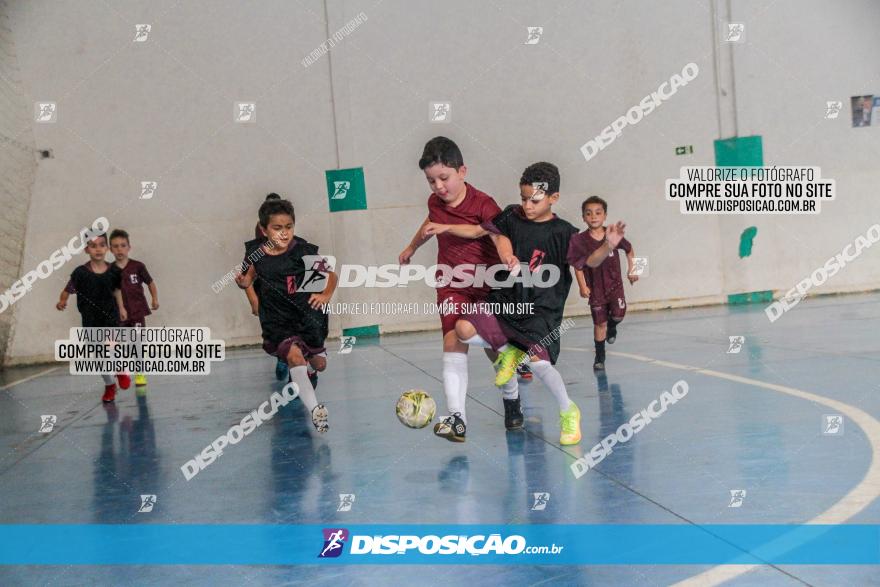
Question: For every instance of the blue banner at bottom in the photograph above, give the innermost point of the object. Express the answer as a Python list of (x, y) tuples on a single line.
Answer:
[(438, 544)]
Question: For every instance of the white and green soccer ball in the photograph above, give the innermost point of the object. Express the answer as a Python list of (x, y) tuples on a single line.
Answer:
[(416, 409)]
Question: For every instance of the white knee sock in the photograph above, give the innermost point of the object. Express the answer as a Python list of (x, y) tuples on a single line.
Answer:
[(550, 377), (477, 340), (108, 378), (300, 376), (509, 390), (455, 382)]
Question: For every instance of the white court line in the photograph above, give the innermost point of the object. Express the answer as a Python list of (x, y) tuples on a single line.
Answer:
[(851, 504), (34, 376)]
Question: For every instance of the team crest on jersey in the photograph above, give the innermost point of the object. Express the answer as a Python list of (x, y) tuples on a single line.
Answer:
[(291, 284), (537, 260), (133, 278)]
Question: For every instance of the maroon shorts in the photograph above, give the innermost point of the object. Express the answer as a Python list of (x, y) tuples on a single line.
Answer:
[(455, 299), (492, 331), (614, 307), (281, 350), (134, 322)]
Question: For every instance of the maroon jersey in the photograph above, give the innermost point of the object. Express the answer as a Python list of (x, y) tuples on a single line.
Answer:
[(605, 279), (134, 276), (476, 208)]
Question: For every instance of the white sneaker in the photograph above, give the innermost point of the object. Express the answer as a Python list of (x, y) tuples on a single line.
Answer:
[(319, 418)]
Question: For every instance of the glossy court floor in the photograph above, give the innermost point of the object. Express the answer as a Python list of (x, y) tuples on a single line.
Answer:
[(751, 420)]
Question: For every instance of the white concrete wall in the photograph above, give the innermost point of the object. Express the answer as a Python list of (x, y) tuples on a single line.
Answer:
[(162, 110)]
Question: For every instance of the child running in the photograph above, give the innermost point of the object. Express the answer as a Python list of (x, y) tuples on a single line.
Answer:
[(592, 254), (293, 321), (98, 300), (453, 200), (535, 233), (133, 276)]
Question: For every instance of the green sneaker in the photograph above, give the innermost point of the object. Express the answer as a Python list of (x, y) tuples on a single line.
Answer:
[(570, 425), (505, 364)]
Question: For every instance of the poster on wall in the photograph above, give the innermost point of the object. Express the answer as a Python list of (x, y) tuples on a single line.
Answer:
[(862, 106)]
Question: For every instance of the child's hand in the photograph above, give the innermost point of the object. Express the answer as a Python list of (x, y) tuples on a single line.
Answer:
[(318, 300), (255, 308), (432, 228), (632, 278), (585, 292), (61, 305), (615, 233), (123, 315), (155, 305), (404, 257), (512, 263)]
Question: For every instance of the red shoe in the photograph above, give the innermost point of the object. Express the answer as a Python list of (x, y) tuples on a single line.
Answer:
[(124, 380), (109, 393)]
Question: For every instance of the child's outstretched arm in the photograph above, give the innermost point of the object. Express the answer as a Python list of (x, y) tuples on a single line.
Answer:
[(460, 230), (123, 315), (318, 300), (154, 295), (251, 294), (613, 235), (418, 240), (246, 279), (62, 301), (629, 266), (505, 250)]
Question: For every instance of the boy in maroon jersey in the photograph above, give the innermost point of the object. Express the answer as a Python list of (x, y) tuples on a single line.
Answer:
[(592, 254), (454, 201), (134, 276)]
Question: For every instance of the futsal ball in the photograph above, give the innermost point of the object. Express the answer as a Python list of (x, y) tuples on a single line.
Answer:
[(415, 408)]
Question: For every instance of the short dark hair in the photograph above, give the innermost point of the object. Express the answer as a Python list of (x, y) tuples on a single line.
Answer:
[(441, 150), (542, 172), (273, 207), (272, 196), (119, 233), (594, 200)]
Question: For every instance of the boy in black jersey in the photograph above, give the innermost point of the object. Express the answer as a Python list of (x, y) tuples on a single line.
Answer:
[(98, 300), (293, 321), (533, 233)]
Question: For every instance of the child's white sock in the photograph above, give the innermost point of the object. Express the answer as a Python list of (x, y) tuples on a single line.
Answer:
[(300, 376), (455, 382), (550, 377)]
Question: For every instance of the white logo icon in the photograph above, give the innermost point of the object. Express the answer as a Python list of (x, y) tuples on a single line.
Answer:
[(736, 498), (346, 500), (832, 109), (245, 111), (441, 112), (735, 32), (832, 424), (46, 112), (541, 499), (47, 423), (340, 190), (141, 31), (148, 190), (317, 268), (534, 35), (621, 303), (147, 503), (640, 265), (736, 344), (347, 344)]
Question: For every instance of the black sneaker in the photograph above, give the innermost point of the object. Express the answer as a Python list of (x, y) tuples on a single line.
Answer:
[(612, 332), (513, 416), (599, 363), (451, 428)]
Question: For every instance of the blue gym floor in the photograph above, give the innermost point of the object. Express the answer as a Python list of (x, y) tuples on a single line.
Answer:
[(725, 434)]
